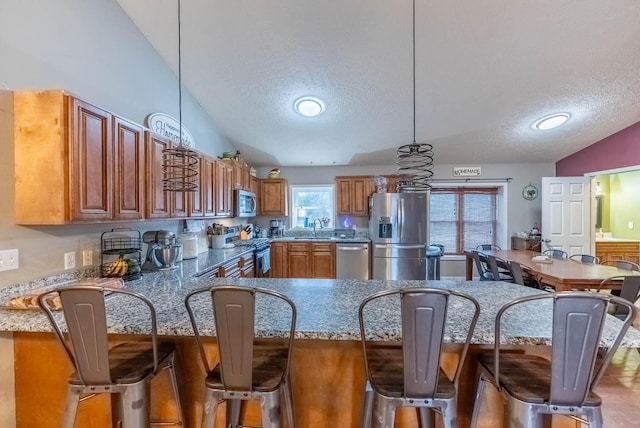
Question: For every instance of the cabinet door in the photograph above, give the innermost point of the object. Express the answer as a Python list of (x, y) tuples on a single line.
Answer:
[(361, 188), (90, 162), (255, 188), (323, 260), (278, 257), (196, 198), (298, 262), (236, 182), (224, 177), (208, 186), (274, 197), (246, 178), (158, 205), (343, 196), (128, 175), (247, 269)]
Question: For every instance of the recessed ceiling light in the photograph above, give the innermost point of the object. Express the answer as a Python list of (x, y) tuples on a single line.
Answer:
[(551, 121), (308, 106)]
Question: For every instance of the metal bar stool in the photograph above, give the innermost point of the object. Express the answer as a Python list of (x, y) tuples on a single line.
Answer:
[(410, 374), (124, 371), (246, 369), (535, 387)]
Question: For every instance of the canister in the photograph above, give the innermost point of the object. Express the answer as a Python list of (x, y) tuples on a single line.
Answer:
[(189, 243)]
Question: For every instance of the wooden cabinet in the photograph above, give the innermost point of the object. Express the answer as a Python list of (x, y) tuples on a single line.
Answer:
[(298, 261), (278, 260), (246, 178), (223, 185), (158, 200), (274, 197), (352, 195), (247, 268), (621, 250), (208, 183), (196, 198), (238, 267), (323, 260), (129, 170), (303, 259), (63, 160)]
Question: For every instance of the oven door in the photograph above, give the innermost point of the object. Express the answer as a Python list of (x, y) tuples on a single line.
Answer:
[(263, 263)]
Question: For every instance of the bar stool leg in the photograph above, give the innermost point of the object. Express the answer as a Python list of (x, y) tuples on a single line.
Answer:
[(384, 412), (523, 415), (71, 407), (481, 383), (425, 417), (450, 414), (174, 386), (233, 413), (210, 407), (367, 406), (287, 405), (270, 405), (134, 405)]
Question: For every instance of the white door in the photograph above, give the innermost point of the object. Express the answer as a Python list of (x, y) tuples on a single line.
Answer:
[(566, 214)]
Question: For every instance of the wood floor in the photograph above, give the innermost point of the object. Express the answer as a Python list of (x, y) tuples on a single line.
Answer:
[(620, 390)]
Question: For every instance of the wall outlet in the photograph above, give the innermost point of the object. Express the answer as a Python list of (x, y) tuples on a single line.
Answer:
[(630, 225), (70, 260), (87, 258), (9, 259)]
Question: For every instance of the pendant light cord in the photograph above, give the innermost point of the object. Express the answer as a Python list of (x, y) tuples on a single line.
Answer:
[(180, 74), (414, 71)]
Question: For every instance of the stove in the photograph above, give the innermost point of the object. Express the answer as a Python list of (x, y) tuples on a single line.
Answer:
[(259, 244)]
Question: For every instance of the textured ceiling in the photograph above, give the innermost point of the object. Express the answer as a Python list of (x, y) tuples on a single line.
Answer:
[(485, 70)]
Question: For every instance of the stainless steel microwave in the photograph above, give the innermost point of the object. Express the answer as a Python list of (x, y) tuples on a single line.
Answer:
[(244, 203)]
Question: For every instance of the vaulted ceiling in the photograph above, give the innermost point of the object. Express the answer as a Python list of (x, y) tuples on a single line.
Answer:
[(484, 72)]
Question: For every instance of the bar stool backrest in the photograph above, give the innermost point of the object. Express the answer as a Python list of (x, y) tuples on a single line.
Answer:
[(578, 318), (556, 254), (86, 340), (630, 290), (516, 271)]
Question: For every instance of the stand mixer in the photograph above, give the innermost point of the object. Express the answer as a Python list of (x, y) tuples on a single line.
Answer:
[(162, 250)]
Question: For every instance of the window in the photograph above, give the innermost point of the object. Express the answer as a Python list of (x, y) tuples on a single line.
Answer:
[(464, 217), (310, 203)]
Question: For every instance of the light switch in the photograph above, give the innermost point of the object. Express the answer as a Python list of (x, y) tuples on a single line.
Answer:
[(630, 225)]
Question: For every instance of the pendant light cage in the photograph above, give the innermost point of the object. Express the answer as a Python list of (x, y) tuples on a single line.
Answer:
[(180, 164), (415, 161)]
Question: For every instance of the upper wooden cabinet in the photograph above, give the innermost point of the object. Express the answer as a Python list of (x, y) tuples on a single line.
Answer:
[(224, 189), (129, 170), (352, 195), (274, 197), (208, 183), (158, 200), (64, 161)]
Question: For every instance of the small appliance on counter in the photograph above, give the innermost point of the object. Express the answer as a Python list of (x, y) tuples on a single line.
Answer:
[(162, 250), (276, 229)]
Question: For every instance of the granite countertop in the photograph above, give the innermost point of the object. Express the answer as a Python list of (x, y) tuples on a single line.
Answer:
[(327, 309)]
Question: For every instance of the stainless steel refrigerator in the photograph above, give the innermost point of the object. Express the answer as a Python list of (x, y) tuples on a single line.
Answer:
[(399, 232)]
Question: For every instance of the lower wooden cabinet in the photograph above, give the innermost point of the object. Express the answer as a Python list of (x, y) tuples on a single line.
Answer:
[(611, 251), (303, 259), (239, 267)]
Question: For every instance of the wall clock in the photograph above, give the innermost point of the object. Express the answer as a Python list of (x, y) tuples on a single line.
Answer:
[(530, 192)]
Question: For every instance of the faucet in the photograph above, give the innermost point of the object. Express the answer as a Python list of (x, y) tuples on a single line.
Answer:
[(314, 225)]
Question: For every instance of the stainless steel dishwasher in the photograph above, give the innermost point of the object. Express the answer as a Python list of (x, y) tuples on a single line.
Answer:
[(352, 260)]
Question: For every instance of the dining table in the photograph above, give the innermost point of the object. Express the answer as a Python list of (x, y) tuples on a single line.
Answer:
[(561, 274)]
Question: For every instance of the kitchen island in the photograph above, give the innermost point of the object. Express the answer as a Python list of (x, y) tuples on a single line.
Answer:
[(327, 368)]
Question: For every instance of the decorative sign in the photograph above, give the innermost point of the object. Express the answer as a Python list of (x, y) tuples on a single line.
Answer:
[(466, 171), (168, 126)]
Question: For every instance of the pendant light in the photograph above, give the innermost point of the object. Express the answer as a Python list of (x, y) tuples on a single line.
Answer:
[(415, 161), (179, 163)]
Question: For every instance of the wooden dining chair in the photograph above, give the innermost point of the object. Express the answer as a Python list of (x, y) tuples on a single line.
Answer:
[(628, 287), (585, 258), (488, 247), (534, 387), (622, 264), (556, 254)]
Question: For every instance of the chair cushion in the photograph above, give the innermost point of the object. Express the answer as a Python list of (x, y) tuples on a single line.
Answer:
[(526, 377), (387, 377), (131, 362), (269, 365)]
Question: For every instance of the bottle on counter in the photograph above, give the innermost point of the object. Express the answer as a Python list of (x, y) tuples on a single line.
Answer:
[(535, 231)]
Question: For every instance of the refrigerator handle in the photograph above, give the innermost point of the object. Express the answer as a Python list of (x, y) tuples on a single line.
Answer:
[(400, 217)]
